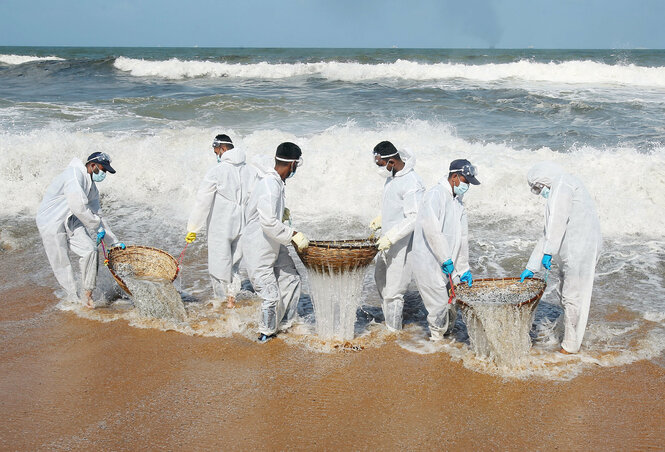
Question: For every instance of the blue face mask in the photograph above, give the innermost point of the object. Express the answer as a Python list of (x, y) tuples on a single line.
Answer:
[(98, 177), (461, 188), (545, 192), (219, 158)]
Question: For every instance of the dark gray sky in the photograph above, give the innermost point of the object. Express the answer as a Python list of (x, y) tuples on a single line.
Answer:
[(335, 23)]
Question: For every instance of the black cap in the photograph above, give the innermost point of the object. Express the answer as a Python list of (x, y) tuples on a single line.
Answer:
[(466, 169), (385, 149), (103, 159), (288, 151)]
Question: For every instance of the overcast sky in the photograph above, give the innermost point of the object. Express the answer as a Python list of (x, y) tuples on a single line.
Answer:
[(335, 23)]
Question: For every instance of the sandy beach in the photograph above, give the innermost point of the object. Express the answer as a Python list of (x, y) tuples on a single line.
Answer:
[(69, 383)]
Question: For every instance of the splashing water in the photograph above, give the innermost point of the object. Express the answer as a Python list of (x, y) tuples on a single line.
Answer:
[(153, 297), (497, 325), (335, 297)]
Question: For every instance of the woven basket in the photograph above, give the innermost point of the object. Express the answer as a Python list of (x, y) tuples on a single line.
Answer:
[(335, 256), (499, 283), (145, 262)]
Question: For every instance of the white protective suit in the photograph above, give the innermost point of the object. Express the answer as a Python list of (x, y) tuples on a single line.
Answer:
[(220, 205), (271, 270), (70, 205), (572, 236), (441, 233), (401, 195)]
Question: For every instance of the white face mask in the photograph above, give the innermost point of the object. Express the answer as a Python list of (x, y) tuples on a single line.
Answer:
[(384, 172), (461, 188)]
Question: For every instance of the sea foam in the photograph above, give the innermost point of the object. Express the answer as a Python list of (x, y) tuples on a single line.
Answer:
[(569, 72), (338, 179), (20, 59)]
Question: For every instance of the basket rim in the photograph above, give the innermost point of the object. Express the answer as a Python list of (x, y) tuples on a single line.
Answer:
[(119, 280), (349, 244), (513, 278)]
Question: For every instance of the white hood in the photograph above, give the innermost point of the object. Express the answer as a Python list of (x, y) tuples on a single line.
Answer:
[(546, 173), (234, 156)]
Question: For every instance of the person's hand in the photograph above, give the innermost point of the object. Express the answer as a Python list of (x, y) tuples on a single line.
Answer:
[(447, 267), (383, 243), (526, 274), (467, 277), (286, 216), (300, 241), (190, 237), (547, 261), (120, 245), (100, 235), (375, 223)]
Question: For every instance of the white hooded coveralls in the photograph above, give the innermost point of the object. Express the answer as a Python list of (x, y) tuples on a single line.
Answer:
[(441, 233), (572, 236), (70, 205), (401, 195), (220, 204), (271, 270)]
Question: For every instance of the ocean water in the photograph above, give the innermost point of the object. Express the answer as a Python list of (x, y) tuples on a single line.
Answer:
[(155, 111)]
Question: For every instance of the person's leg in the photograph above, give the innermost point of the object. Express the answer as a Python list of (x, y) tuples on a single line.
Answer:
[(440, 314), (86, 248), (56, 246), (396, 276), (576, 300), (289, 287), (220, 265)]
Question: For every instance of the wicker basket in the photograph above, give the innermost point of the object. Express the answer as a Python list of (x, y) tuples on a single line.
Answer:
[(499, 283), (145, 262), (338, 256)]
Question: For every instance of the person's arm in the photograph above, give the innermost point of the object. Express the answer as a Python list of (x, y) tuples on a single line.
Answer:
[(431, 214), (269, 217), (559, 206), (109, 237), (205, 196), (534, 264), (77, 200), (462, 263), (411, 200)]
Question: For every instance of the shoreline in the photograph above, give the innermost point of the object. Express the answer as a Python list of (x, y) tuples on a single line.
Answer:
[(73, 383)]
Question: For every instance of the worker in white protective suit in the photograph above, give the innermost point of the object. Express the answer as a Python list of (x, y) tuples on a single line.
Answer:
[(220, 206), (441, 246), (572, 236), (271, 270), (402, 192), (67, 219)]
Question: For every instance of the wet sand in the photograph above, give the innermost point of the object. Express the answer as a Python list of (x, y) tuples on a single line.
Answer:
[(77, 384)]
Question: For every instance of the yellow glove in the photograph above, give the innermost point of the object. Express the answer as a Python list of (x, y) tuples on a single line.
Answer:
[(190, 237), (300, 241), (286, 216), (383, 243), (376, 223)]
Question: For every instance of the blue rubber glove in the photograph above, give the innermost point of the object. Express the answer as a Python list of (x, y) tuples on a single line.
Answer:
[(447, 267), (526, 274), (547, 261), (120, 245), (100, 234), (467, 277)]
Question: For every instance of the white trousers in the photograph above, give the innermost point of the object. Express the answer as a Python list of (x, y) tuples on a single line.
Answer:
[(392, 276), (278, 283), (58, 241)]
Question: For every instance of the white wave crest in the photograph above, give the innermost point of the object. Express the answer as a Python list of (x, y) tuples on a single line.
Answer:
[(339, 179), (570, 72), (20, 59)]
